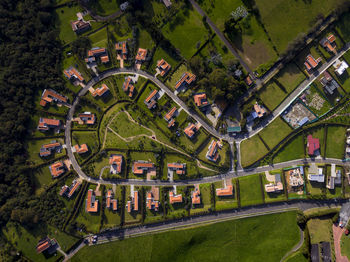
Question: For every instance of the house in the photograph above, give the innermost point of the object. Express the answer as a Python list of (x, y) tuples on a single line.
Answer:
[(315, 174), (81, 149), (335, 177), (86, 118), (73, 188), (248, 81), (48, 149), (152, 200), (213, 151), (174, 198), (276, 186), (80, 26), (259, 110), (200, 99), (185, 81), (97, 53), (128, 86), (110, 202), (167, 3), (179, 168), (50, 95), (141, 167), (91, 204), (46, 245), (73, 74), (195, 195), (100, 91), (150, 101), (57, 169), (64, 190), (227, 190), (311, 62), (133, 204), (169, 117), (116, 162), (122, 50), (46, 123), (329, 43), (340, 67), (329, 83), (313, 145), (163, 67), (190, 130), (141, 56)]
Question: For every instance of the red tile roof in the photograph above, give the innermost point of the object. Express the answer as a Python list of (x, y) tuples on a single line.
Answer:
[(178, 167), (171, 113), (186, 79), (57, 169), (46, 123), (190, 130), (116, 161), (72, 72), (87, 118), (312, 62), (63, 190), (200, 99), (151, 96), (259, 110), (171, 123), (141, 55), (139, 167), (104, 59), (121, 46), (226, 191), (46, 149), (81, 149), (91, 202), (174, 198), (195, 196), (49, 95), (313, 144), (248, 81), (74, 188), (96, 51), (43, 245), (136, 200), (163, 67), (331, 38), (100, 91), (128, 87), (213, 152), (114, 204)]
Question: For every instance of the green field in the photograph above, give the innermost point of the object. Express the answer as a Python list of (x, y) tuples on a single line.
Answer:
[(104, 7), (272, 95), (42, 179), (33, 148), (290, 77), (320, 229), (250, 190), (335, 147), (275, 132), (185, 31), (345, 246), (297, 257), (252, 149), (205, 196), (293, 150), (99, 39), (343, 27), (238, 240)]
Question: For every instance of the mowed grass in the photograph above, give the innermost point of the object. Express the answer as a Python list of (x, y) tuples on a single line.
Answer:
[(290, 77), (335, 146), (252, 149), (250, 190), (343, 27), (237, 240), (171, 82), (284, 20), (293, 150), (105, 7), (320, 229), (99, 38), (345, 246), (275, 132), (33, 148), (185, 31), (65, 15), (272, 95)]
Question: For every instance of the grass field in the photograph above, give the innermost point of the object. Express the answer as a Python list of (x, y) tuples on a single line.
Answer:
[(112, 218), (275, 132), (238, 240), (99, 38), (134, 217), (252, 149), (250, 190), (290, 77), (297, 257), (185, 32), (284, 20), (144, 39), (65, 15), (272, 95), (320, 229), (205, 199), (42, 179), (104, 7), (343, 27), (335, 147), (345, 246), (293, 150)]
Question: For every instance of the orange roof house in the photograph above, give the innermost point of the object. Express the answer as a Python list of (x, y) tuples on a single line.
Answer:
[(186, 80), (311, 62), (73, 74), (104, 59), (227, 190), (152, 200), (260, 111), (121, 49), (46, 244), (48, 149), (115, 162), (47, 123), (150, 101), (213, 151), (128, 86), (100, 91), (179, 168), (195, 195), (163, 67), (91, 202), (168, 116), (73, 188), (190, 130), (200, 99), (87, 118), (133, 205), (248, 81), (50, 95), (114, 204), (140, 167), (97, 51), (141, 55), (81, 149), (80, 26), (174, 198), (329, 43), (57, 169), (110, 202)]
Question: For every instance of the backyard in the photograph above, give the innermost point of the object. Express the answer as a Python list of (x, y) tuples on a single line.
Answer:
[(252, 149), (335, 142), (250, 190)]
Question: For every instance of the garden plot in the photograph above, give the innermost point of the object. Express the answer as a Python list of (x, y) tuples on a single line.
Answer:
[(315, 101), (297, 115)]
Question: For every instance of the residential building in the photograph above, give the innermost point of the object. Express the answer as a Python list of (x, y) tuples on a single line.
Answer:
[(111, 203), (167, 3), (329, 43), (276, 186), (97, 53), (329, 83), (57, 169), (104, 59), (150, 101), (200, 99), (174, 198), (315, 174), (152, 200), (64, 190), (133, 204), (46, 245), (48, 149), (141, 56), (100, 91), (340, 67), (311, 62), (91, 202), (80, 26), (259, 110), (163, 67), (74, 187), (190, 130), (122, 50), (248, 81), (185, 81), (169, 117), (335, 178), (81, 149), (313, 145), (73, 74), (195, 195), (179, 168), (50, 95), (128, 86), (116, 162), (86, 118), (227, 190), (213, 151), (141, 167), (46, 123)]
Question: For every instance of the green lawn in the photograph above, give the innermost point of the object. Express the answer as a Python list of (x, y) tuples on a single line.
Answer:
[(284, 20), (297, 257), (186, 31), (134, 217), (290, 77), (145, 40), (272, 95), (112, 218), (171, 82), (238, 240), (252, 149), (335, 142), (293, 150), (99, 38), (104, 7), (33, 148), (85, 137), (42, 179), (275, 132), (320, 229), (250, 190), (343, 27), (345, 246), (205, 196)]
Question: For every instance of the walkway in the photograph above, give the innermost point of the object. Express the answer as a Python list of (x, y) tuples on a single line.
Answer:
[(337, 234), (296, 247)]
